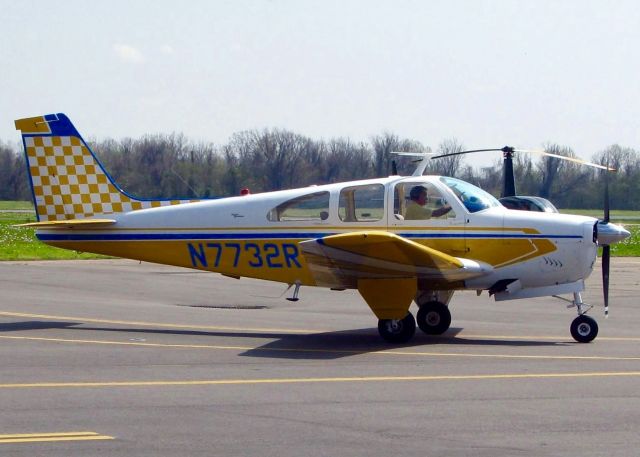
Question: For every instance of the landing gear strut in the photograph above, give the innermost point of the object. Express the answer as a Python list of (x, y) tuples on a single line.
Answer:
[(397, 330)]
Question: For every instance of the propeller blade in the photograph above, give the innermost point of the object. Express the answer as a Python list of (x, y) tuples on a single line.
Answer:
[(606, 262), (606, 196), (606, 249)]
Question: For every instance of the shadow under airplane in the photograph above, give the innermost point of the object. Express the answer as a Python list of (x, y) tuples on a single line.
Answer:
[(319, 346)]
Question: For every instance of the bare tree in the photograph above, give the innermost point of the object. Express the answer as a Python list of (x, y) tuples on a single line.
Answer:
[(564, 182), (383, 145), (448, 166), (345, 161), (624, 183)]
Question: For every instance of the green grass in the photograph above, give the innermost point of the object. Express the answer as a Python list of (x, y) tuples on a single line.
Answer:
[(629, 247), (20, 243), (617, 215), (18, 205)]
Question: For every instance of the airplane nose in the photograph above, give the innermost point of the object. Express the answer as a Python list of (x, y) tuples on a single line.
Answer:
[(609, 233)]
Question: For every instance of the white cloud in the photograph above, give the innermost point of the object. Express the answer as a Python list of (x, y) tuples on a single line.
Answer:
[(128, 53), (167, 49)]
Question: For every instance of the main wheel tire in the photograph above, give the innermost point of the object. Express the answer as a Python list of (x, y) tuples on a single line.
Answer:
[(584, 329), (434, 318), (397, 331)]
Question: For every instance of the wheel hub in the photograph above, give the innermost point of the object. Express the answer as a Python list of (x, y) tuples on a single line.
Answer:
[(584, 329), (433, 318), (394, 326)]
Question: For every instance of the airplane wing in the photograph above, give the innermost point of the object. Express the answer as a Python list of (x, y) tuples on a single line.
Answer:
[(341, 260), (71, 223)]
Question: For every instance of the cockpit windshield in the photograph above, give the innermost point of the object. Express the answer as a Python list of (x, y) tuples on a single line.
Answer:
[(472, 197)]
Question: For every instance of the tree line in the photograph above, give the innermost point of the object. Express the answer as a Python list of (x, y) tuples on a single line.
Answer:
[(171, 165)]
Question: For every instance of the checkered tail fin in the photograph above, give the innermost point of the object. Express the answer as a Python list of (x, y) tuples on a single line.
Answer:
[(67, 180)]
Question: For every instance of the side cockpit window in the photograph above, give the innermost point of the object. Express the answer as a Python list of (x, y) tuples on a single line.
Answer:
[(419, 201), (472, 197), (310, 207), (362, 203)]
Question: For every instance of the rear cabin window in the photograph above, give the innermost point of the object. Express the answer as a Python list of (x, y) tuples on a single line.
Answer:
[(362, 203), (310, 207)]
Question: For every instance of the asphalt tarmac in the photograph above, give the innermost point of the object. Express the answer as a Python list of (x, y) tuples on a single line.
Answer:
[(117, 358)]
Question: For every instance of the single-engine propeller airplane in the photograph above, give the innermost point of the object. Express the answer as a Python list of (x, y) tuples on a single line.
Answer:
[(396, 239)]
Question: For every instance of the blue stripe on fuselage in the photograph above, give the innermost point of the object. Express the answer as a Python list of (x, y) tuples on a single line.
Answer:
[(259, 236)]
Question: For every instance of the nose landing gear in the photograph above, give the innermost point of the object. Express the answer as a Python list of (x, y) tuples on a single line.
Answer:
[(584, 329)]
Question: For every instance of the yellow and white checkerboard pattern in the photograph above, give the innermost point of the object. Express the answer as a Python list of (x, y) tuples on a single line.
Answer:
[(68, 182)]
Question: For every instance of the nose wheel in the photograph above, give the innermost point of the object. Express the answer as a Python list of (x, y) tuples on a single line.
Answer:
[(584, 329), (397, 330)]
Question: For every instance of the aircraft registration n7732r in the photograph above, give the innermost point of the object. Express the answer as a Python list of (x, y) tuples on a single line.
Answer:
[(396, 239)]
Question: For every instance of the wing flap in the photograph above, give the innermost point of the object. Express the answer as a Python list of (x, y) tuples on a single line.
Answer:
[(341, 260)]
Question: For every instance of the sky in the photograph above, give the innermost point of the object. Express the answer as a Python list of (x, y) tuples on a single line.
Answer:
[(487, 73)]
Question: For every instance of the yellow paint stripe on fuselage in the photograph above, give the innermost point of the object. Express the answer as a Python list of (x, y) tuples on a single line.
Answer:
[(279, 259)]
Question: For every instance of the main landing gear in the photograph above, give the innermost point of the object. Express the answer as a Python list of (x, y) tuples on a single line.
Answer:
[(397, 330), (584, 329), (434, 318)]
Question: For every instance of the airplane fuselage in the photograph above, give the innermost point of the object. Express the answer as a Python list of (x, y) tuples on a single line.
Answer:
[(244, 237)]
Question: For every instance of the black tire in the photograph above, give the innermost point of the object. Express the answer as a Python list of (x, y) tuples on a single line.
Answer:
[(397, 331), (434, 318), (584, 329)]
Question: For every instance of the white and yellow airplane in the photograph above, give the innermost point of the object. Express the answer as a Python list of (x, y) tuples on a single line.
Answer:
[(366, 235)]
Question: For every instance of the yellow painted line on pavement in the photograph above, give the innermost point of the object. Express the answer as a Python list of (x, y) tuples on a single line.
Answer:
[(372, 351), (158, 324), (47, 437), (136, 343), (81, 320), (222, 382)]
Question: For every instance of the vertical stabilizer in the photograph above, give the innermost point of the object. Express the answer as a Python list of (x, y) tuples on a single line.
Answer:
[(67, 180)]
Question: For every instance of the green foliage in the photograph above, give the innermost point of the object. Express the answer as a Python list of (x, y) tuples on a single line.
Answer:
[(6, 205), (20, 243)]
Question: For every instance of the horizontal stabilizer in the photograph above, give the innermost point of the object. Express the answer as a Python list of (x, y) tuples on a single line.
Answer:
[(71, 223)]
